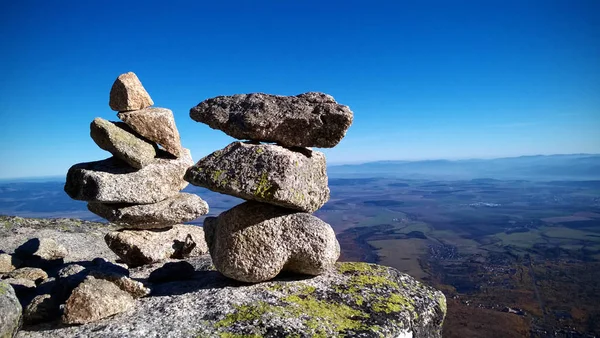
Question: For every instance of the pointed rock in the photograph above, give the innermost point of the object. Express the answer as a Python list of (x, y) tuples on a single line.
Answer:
[(121, 141), (127, 93), (253, 242), (95, 299), (266, 173), (157, 125), (139, 247), (306, 120), (181, 208), (8, 263), (113, 181)]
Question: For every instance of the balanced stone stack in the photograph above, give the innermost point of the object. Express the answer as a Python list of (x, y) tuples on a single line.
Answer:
[(139, 187), (281, 178)]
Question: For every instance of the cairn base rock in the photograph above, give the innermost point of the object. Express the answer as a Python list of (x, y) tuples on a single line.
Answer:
[(254, 242)]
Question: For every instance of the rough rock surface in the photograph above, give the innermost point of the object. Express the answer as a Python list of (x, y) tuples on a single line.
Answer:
[(253, 242), (41, 252), (10, 311), (82, 239), (33, 274), (181, 208), (42, 308), (265, 173), (21, 286), (353, 300), (127, 93), (112, 181), (95, 299), (139, 247), (134, 288), (306, 120), (118, 139), (8, 263), (157, 125)]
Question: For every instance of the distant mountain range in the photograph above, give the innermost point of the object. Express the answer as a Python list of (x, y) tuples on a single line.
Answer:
[(533, 168)]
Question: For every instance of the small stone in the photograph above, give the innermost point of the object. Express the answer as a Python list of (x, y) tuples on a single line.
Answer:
[(171, 272), (41, 309), (70, 270), (8, 263), (181, 208), (36, 275), (134, 288), (22, 286), (41, 252), (266, 173), (121, 141), (139, 247), (157, 125), (113, 181), (95, 299), (253, 242), (127, 93), (305, 120), (10, 311)]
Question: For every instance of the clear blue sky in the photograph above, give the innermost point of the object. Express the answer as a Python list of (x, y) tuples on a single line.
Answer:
[(425, 79)]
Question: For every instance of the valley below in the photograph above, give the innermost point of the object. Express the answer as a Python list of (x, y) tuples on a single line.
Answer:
[(514, 258)]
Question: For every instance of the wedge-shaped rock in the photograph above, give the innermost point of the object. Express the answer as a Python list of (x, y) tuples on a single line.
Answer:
[(253, 242), (36, 275), (265, 173), (127, 93), (121, 141), (95, 299), (41, 252), (10, 310), (181, 208), (113, 181), (139, 247), (155, 124), (306, 120), (42, 308)]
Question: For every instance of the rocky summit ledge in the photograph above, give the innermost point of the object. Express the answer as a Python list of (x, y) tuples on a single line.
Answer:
[(357, 299), (188, 298)]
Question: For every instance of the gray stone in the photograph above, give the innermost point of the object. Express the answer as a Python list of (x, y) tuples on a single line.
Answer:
[(42, 308), (306, 120), (134, 288), (253, 242), (112, 181), (139, 247), (181, 208), (95, 299), (157, 125), (41, 252), (10, 311), (127, 93), (266, 173), (36, 275), (8, 263), (352, 300), (121, 141), (22, 286)]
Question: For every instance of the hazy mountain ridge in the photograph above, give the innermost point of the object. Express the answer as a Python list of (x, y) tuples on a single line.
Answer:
[(536, 168)]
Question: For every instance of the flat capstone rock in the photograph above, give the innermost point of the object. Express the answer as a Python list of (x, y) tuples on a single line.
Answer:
[(121, 141), (254, 242), (113, 181), (295, 179), (306, 120), (127, 93), (180, 208)]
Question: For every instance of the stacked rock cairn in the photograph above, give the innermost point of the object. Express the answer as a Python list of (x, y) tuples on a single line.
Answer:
[(282, 180), (138, 188)]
